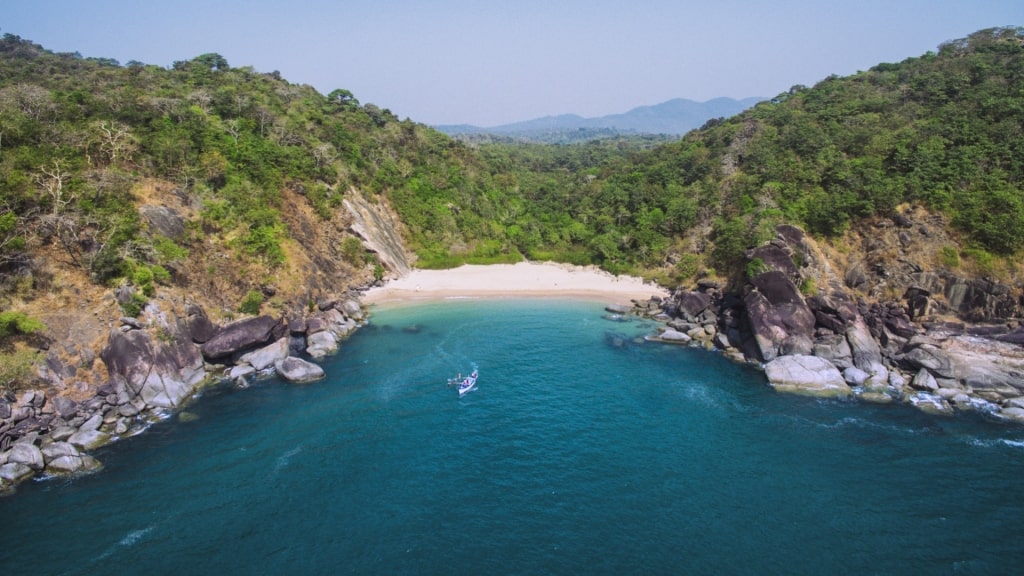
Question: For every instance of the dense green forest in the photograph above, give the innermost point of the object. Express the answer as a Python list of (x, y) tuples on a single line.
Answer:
[(943, 130)]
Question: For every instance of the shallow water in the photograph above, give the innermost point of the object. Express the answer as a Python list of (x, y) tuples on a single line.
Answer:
[(582, 450)]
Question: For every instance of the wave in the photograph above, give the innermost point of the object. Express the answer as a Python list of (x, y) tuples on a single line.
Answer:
[(128, 541), (994, 442), (285, 459)]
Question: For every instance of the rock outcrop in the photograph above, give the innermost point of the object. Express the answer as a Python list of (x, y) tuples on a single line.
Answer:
[(379, 229), (154, 366), (831, 342), (240, 336)]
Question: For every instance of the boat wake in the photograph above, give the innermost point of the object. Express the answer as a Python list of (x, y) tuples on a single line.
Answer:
[(131, 539)]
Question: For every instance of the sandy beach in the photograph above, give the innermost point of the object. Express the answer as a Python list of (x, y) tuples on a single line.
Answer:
[(521, 280)]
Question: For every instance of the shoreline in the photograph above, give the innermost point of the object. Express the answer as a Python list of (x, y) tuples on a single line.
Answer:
[(520, 280)]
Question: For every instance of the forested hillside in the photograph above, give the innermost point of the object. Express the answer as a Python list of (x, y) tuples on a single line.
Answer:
[(253, 170), (942, 131)]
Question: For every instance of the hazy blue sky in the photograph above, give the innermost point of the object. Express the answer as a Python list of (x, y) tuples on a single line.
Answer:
[(493, 62)]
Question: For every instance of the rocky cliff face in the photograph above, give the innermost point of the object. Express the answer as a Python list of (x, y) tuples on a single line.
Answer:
[(380, 230), (884, 329)]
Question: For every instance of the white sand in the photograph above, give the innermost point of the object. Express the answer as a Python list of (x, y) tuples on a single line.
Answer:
[(521, 280)]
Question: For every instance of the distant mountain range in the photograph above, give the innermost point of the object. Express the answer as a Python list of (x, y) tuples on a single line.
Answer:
[(674, 117)]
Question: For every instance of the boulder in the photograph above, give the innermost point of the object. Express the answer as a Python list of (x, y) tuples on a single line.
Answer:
[(855, 376), (693, 304), (321, 344), (674, 336), (778, 316), (924, 380), (930, 356), (163, 373), (65, 407), (864, 348), (315, 324), (930, 404), (618, 309), (15, 473), (241, 371), (89, 439), (27, 454), (298, 371), (67, 465), (297, 326), (835, 349), (240, 336), (268, 355), (164, 220), (353, 310), (807, 375), (1013, 414), (201, 329)]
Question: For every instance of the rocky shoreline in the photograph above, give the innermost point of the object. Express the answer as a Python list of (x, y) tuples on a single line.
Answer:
[(948, 345), (156, 366), (831, 344)]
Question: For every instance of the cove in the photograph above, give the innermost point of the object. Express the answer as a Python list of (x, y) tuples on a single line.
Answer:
[(583, 449)]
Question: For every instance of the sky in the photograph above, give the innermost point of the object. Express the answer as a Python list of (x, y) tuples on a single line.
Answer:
[(495, 62)]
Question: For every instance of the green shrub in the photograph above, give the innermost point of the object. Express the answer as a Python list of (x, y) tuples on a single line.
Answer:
[(688, 265), (352, 251), (808, 287), (756, 267), (12, 323), (160, 274), (949, 257), (143, 278), (167, 251), (16, 369), (251, 303), (984, 261), (133, 307)]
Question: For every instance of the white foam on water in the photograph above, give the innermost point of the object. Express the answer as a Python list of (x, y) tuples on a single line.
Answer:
[(128, 541), (285, 459)]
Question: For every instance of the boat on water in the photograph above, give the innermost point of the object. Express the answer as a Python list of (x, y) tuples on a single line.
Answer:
[(468, 383)]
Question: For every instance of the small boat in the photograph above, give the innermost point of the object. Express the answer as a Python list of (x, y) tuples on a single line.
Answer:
[(468, 383)]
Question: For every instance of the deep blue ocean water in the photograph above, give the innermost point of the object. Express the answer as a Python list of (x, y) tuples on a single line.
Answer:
[(583, 450)]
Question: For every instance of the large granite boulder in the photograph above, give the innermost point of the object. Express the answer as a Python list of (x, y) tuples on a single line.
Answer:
[(807, 375), (163, 374), (27, 454), (321, 344), (240, 336), (779, 318), (867, 355), (89, 439), (268, 355), (14, 473), (298, 371), (352, 309), (65, 458)]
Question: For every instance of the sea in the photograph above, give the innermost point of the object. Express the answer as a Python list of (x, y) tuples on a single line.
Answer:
[(583, 449)]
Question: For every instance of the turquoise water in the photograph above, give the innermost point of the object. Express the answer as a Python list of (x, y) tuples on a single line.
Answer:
[(582, 450)]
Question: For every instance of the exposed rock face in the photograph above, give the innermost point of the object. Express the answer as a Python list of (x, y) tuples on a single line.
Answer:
[(379, 229), (780, 320), (240, 336), (161, 374), (164, 220), (886, 349)]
